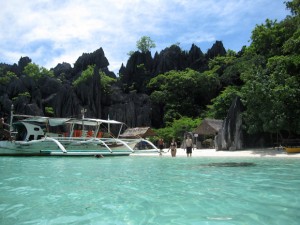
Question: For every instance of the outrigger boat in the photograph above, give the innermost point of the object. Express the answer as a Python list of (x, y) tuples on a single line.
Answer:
[(65, 137), (293, 149), (291, 145)]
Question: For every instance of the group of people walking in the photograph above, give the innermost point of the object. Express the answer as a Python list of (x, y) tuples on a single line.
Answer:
[(188, 146)]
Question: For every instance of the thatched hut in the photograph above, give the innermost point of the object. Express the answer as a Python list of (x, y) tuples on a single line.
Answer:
[(206, 132), (209, 127), (138, 132)]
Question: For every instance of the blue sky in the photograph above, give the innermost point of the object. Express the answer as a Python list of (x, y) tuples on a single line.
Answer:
[(55, 31)]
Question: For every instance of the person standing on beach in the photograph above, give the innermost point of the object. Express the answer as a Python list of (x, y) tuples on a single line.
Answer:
[(189, 146), (160, 145), (173, 147)]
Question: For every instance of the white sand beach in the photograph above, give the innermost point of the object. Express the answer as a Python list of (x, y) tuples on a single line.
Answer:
[(272, 152)]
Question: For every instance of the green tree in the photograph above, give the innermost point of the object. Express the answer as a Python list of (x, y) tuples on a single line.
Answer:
[(271, 96), (106, 81), (166, 133), (292, 26), (271, 90), (85, 75), (177, 128), (268, 38), (158, 97), (294, 6), (32, 70), (225, 68), (22, 95), (36, 72), (221, 104), (145, 44), (7, 78), (182, 125), (172, 87), (275, 38), (49, 111), (292, 45)]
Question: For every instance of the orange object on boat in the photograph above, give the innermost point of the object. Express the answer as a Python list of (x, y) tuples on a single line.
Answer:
[(90, 133), (100, 134), (77, 133)]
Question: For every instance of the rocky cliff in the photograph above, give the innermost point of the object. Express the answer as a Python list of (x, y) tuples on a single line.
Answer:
[(127, 100)]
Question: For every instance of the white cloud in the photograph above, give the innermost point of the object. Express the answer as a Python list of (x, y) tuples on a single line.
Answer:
[(54, 31)]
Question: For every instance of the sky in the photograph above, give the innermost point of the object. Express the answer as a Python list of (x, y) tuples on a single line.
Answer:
[(56, 31)]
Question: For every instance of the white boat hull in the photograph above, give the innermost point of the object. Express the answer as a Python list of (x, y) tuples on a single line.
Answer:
[(68, 147)]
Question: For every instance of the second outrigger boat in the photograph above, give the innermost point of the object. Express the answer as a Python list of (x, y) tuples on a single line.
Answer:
[(292, 149), (66, 137), (291, 145)]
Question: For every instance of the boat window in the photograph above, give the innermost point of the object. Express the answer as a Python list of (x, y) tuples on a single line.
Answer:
[(21, 133), (36, 128), (31, 137), (40, 136)]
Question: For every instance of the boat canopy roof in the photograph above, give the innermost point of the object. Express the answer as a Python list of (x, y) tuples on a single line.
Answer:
[(50, 121), (62, 121), (92, 122)]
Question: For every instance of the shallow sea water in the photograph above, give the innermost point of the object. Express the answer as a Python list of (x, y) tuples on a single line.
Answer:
[(149, 190)]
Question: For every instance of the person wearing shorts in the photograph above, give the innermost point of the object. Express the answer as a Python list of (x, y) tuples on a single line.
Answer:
[(189, 146), (161, 145)]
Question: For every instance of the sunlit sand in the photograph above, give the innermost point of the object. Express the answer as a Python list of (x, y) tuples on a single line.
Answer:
[(271, 152)]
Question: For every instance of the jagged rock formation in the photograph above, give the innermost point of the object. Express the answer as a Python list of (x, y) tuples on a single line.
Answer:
[(216, 50), (172, 58), (131, 108), (137, 72), (140, 67), (230, 136), (127, 101)]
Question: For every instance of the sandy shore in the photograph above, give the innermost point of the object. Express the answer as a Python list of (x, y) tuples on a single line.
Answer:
[(274, 152)]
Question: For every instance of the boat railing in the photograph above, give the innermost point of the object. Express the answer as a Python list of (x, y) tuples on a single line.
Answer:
[(104, 141), (61, 147)]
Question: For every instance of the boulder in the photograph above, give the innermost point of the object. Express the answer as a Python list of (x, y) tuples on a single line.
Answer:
[(230, 136)]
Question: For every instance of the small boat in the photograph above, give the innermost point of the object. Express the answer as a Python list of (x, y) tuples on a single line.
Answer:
[(36, 135), (292, 149)]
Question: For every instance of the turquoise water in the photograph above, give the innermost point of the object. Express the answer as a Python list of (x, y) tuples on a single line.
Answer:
[(149, 190)]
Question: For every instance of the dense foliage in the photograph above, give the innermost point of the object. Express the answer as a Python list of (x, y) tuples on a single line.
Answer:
[(34, 71), (89, 72), (183, 93), (177, 128), (271, 90)]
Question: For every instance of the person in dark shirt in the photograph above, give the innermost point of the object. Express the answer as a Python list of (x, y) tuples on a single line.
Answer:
[(160, 145)]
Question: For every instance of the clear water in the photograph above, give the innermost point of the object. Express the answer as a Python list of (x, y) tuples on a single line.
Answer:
[(148, 190)]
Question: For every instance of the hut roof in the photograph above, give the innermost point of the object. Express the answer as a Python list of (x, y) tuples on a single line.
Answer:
[(138, 132), (209, 127)]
